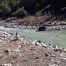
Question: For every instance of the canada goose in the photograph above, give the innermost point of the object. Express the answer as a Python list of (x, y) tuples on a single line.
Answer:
[(14, 38)]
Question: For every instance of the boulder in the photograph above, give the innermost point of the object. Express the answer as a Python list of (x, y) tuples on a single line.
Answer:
[(9, 64), (42, 28)]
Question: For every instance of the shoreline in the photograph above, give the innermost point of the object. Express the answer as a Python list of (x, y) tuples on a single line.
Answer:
[(24, 51), (48, 28), (32, 22)]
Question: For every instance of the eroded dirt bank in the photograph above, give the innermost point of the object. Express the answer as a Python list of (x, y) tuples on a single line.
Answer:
[(20, 51)]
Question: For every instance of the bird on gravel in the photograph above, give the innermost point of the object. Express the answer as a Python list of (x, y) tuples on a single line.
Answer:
[(14, 38)]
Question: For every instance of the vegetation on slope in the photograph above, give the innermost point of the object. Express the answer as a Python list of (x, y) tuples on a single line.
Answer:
[(33, 7)]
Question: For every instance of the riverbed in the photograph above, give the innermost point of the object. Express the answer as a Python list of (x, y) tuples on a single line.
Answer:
[(57, 37)]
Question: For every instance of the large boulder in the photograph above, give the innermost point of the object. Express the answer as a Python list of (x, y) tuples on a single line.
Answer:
[(42, 28)]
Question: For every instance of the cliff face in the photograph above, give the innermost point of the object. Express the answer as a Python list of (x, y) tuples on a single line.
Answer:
[(24, 52)]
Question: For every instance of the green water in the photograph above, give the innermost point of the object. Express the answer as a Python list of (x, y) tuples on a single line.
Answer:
[(52, 37)]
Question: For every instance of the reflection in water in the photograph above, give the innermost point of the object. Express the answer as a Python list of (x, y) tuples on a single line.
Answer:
[(52, 37)]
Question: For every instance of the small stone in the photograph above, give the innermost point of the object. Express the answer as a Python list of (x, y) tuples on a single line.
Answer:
[(39, 41), (63, 58), (38, 44), (0, 41), (19, 46), (44, 45), (46, 54), (17, 50), (54, 65), (64, 49), (36, 58), (34, 42), (58, 49), (54, 46), (14, 38), (6, 51), (9, 64)]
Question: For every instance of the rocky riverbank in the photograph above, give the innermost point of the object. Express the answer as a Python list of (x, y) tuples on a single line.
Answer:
[(31, 22), (20, 51)]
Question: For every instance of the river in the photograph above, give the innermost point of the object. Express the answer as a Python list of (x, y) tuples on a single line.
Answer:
[(57, 37)]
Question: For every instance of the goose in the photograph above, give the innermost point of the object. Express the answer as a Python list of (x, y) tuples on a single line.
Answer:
[(14, 38)]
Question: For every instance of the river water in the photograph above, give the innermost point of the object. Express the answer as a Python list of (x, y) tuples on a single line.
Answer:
[(57, 37)]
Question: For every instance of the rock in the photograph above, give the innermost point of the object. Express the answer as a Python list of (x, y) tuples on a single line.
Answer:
[(58, 49), (0, 41), (63, 27), (42, 28), (64, 49), (17, 50), (39, 41), (54, 46), (9, 64), (64, 58), (19, 46), (6, 51), (6, 33), (36, 58), (46, 54), (54, 65), (34, 42), (43, 45), (37, 44), (62, 54)]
